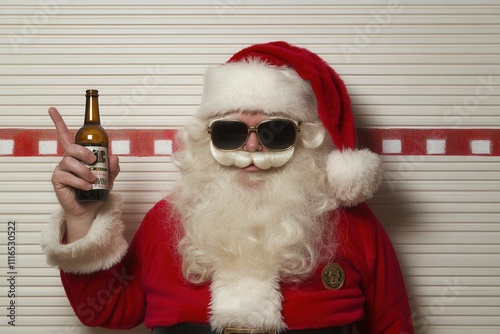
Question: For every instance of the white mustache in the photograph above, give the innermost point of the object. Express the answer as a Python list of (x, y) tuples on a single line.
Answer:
[(242, 159)]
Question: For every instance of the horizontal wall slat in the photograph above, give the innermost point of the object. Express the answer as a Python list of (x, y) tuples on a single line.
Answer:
[(427, 64)]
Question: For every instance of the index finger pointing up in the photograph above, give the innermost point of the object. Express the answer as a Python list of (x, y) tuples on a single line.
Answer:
[(63, 133)]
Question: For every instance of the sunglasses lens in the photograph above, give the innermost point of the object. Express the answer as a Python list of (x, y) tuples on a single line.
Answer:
[(277, 134), (229, 135)]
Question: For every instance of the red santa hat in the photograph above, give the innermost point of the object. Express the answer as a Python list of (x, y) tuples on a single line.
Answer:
[(279, 78)]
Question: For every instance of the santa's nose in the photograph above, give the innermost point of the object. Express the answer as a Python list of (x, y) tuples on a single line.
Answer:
[(252, 143)]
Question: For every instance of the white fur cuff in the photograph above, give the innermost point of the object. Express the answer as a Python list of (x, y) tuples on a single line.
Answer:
[(102, 247)]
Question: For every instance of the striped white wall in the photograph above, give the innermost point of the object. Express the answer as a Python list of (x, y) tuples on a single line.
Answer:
[(407, 64)]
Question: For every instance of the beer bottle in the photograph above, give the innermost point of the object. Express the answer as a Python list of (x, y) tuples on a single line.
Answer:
[(93, 136)]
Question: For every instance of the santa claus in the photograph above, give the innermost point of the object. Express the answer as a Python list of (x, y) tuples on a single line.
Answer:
[(266, 231)]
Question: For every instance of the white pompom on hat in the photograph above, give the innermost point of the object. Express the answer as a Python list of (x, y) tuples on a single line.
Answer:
[(279, 78)]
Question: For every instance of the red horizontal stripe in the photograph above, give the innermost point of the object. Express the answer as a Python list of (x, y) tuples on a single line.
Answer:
[(142, 141), (26, 141), (414, 141)]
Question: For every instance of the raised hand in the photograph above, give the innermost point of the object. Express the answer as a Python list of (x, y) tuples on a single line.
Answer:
[(70, 173)]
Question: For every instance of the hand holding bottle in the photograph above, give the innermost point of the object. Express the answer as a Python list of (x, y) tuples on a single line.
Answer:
[(71, 174)]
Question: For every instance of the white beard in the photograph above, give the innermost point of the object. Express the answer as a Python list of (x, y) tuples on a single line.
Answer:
[(248, 231)]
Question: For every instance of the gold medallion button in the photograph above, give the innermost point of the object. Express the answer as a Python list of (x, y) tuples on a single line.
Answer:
[(333, 276)]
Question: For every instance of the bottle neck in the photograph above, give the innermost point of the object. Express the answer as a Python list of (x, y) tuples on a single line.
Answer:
[(92, 109)]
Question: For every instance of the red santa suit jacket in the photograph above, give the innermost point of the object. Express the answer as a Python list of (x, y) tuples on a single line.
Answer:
[(146, 284)]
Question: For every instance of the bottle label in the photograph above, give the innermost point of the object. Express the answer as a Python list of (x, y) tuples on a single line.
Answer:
[(100, 167)]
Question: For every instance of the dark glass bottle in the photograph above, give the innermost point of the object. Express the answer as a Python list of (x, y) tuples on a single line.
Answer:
[(93, 136)]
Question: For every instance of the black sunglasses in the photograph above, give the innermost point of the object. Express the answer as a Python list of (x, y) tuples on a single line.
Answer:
[(275, 134)]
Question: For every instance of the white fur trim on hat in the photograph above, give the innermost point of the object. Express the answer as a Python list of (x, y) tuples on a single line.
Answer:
[(354, 175), (102, 247), (253, 85)]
